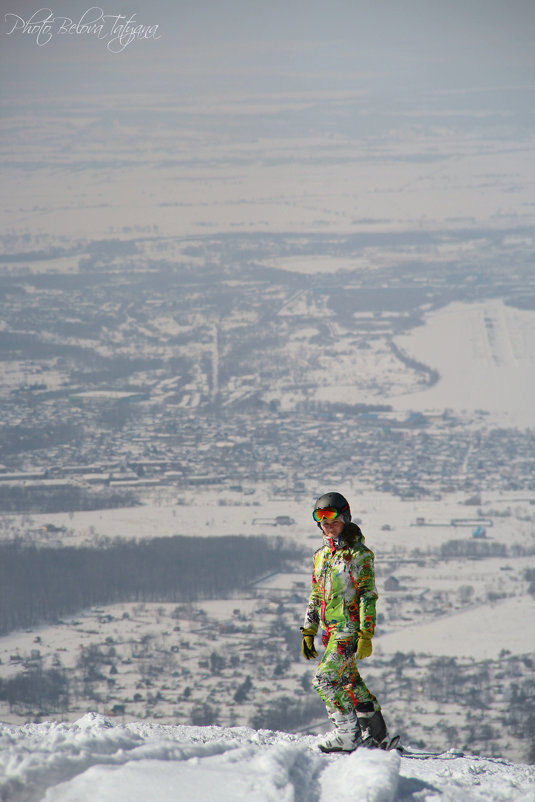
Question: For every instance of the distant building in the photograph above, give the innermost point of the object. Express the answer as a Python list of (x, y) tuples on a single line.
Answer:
[(280, 520), (392, 583), (107, 395), (51, 529)]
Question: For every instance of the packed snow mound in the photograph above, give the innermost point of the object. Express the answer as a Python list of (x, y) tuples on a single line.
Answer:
[(97, 759)]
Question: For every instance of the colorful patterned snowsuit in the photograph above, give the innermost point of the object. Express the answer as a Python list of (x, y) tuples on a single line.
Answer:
[(343, 601)]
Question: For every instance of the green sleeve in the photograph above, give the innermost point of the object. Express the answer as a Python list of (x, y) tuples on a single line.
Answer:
[(312, 615), (363, 576)]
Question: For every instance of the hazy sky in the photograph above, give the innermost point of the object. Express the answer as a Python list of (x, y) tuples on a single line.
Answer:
[(258, 46), (247, 83)]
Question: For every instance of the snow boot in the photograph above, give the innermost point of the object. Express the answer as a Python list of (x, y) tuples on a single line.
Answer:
[(346, 734), (374, 732)]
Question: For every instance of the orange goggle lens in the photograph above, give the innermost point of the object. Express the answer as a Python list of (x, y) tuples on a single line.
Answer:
[(328, 513)]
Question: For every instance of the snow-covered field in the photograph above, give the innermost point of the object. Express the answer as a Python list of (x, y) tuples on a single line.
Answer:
[(218, 512), (469, 633), (485, 354), (95, 759)]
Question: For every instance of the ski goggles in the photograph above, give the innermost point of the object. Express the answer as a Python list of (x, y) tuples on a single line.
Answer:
[(327, 514)]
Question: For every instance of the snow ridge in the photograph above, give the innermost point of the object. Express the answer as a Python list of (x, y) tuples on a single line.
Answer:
[(95, 758)]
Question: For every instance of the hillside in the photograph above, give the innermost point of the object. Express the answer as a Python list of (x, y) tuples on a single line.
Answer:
[(97, 759)]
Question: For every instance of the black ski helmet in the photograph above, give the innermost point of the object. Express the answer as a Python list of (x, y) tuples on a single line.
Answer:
[(337, 501)]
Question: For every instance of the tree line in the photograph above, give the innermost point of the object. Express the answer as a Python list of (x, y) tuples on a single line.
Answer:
[(68, 497), (37, 689), (529, 576), (44, 584), (478, 549)]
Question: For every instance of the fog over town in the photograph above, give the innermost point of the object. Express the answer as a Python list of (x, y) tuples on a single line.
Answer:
[(267, 251)]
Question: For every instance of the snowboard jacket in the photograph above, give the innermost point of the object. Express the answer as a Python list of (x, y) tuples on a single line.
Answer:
[(343, 586)]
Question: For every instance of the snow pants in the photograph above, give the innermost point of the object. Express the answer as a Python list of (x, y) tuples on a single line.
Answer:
[(338, 680)]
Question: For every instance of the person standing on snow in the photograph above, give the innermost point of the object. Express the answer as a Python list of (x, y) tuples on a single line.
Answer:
[(343, 601)]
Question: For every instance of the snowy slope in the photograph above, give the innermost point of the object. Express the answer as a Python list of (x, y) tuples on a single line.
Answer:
[(96, 759)]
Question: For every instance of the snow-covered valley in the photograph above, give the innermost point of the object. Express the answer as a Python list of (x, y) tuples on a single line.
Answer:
[(263, 254)]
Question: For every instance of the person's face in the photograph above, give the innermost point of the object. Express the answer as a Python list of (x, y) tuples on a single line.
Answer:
[(332, 528)]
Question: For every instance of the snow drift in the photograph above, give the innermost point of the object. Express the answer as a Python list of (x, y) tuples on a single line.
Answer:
[(97, 759)]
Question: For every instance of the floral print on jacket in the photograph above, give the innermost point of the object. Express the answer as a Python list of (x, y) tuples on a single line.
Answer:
[(343, 586)]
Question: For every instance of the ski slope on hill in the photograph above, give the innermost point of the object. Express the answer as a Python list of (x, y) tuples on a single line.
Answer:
[(97, 759)]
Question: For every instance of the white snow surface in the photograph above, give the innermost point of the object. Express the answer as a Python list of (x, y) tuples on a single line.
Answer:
[(485, 355), (98, 759)]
